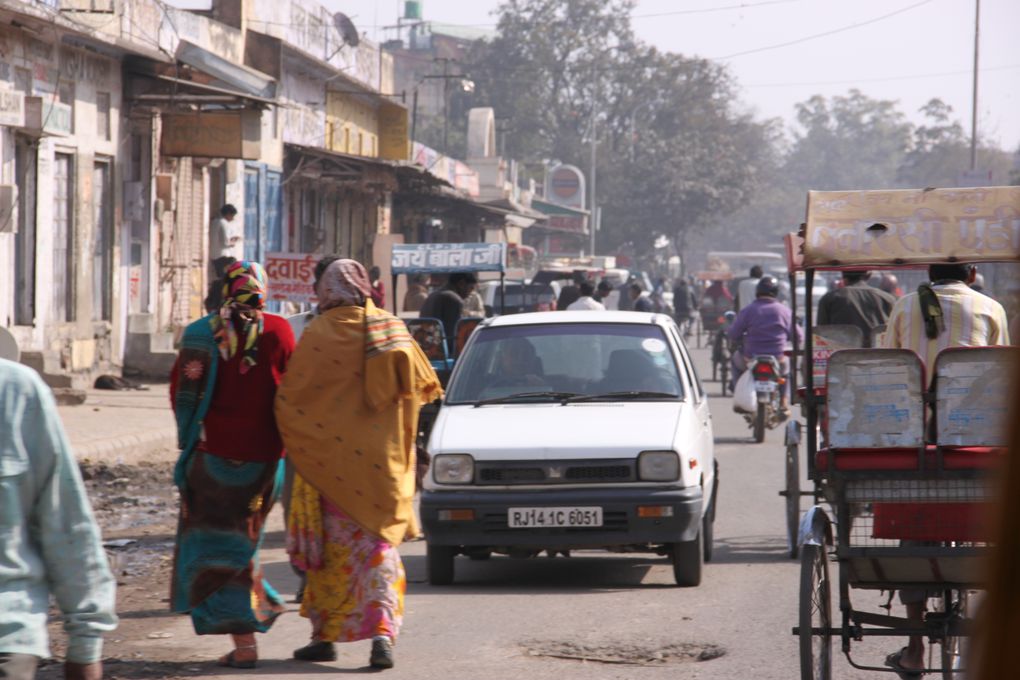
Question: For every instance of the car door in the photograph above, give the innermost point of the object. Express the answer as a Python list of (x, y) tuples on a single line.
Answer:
[(699, 400)]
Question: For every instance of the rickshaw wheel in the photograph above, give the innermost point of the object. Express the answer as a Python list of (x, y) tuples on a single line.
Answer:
[(815, 612), (952, 645), (792, 499)]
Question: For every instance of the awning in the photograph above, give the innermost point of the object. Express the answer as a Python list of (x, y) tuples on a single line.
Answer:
[(226, 74), (162, 83)]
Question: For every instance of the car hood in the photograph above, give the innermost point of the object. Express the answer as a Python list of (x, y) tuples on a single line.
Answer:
[(552, 431)]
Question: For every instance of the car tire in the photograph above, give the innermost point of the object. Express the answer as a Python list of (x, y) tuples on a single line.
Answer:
[(439, 564), (707, 530), (687, 561)]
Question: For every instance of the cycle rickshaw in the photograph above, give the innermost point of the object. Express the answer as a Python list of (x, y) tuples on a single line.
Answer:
[(900, 454)]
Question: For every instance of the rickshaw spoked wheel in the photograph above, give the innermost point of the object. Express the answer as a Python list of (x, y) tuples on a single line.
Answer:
[(815, 612), (954, 602)]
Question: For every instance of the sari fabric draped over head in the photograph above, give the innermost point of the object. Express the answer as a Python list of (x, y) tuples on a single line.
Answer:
[(348, 411), (239, 323), (224, 503)]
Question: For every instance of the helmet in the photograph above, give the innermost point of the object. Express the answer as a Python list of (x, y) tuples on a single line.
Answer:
[(768, 286)]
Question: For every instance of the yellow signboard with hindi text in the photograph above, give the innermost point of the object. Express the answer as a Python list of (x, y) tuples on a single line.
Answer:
[(916, 226)]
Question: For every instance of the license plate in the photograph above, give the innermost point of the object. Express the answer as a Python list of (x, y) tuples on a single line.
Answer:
[(546, 518), (764, 386)]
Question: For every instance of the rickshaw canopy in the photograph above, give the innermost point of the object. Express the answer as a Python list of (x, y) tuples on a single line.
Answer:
[(912, 227), (446, 258)]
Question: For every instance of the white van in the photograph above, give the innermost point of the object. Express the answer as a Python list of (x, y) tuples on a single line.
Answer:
[(572, 430)]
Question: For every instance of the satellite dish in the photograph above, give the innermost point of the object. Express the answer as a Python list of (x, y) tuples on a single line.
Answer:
[(345, 27), (8, 346)]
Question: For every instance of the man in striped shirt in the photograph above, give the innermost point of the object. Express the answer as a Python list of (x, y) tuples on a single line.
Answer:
[(970, 318), (944, 313)]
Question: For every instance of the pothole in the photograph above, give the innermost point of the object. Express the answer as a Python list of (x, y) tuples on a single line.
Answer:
[(632, 654)]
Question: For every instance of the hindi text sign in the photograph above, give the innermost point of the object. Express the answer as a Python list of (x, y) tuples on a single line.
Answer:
[(902, 227), (415, 258), (291, 277)]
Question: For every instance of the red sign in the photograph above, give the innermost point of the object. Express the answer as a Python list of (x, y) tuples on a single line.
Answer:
[(291, 276), (565, 182)]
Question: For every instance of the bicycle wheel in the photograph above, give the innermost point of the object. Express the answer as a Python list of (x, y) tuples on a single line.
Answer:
[(792, 499), (815, 612), (953, 651)]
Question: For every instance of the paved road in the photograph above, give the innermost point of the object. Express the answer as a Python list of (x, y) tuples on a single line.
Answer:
[(484, 626)]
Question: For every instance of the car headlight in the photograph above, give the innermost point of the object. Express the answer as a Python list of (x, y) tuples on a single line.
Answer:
[(659, 466), (453, 468)]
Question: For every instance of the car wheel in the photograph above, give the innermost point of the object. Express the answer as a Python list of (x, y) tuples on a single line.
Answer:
[(687, 561), (439, 563), (707, 528)]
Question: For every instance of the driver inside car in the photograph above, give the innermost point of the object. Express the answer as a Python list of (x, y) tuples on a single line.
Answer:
[(518, 364)]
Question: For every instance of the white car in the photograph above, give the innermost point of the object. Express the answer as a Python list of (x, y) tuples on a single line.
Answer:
[(572, 430)]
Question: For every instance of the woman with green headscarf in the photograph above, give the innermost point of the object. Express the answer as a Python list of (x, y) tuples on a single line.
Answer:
[(222, 389)]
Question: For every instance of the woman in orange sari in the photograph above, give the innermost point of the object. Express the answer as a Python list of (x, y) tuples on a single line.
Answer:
[(348, 412)]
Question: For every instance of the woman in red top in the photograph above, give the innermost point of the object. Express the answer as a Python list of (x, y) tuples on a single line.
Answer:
[(222, 389)]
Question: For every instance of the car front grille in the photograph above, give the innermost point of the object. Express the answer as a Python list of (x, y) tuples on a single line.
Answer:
[(554, 472)]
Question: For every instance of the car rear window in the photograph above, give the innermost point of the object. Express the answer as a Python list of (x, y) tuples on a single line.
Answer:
[(577, 358)]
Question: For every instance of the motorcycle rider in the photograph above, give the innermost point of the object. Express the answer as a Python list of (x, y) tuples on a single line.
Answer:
[(765, 326)]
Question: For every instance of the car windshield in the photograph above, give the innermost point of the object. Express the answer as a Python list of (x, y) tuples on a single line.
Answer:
[(624, 361)]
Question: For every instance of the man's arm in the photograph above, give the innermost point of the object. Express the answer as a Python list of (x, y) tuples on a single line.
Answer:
[(76, 566)]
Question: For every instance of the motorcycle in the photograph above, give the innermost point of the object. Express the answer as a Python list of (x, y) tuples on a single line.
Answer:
[(768, 385)]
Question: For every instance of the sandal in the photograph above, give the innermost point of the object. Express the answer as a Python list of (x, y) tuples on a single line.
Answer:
[(232, 661), (894, 661)]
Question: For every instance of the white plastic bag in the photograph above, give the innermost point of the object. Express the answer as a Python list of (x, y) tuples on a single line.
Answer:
[(744, 397)]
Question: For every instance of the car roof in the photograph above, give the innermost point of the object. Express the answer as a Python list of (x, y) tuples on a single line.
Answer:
[(592, 316)]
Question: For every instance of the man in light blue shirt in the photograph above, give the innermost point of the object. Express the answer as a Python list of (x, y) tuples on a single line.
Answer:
[(49, 541)]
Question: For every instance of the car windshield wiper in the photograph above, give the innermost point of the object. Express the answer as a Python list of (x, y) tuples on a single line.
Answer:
[(525, 396), (621, 396)]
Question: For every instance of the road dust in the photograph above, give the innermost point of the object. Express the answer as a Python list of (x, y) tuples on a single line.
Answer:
[(627, 654)]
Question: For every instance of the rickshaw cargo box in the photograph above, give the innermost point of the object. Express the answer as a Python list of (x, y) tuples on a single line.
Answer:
[(959, 522), (912, 227)]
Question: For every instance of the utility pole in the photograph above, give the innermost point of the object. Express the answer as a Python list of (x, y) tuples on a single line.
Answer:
[(594, 218), (974, 100), (446, 106)]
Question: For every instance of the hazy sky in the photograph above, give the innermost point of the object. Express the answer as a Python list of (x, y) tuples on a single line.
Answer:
[(923, 50)]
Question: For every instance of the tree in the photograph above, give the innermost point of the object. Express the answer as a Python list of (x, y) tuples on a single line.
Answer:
[(848, 142), (672, 149)]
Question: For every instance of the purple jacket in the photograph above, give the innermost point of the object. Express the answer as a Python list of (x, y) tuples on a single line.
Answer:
[(766, 327)]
